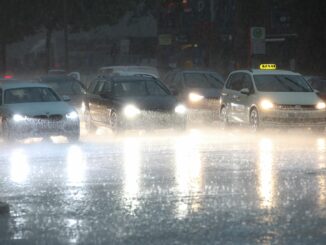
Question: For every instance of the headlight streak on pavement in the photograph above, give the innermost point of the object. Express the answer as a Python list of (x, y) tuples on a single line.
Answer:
[(321, 178), (266, 181), (19, 166), (76, 165), (131, 167), (188, 175)]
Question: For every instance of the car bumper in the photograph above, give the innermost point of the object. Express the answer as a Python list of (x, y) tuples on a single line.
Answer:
[(42, 128), (295, 118), (158, 120)]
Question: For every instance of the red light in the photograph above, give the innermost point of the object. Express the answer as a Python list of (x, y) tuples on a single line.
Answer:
[(7, 77)]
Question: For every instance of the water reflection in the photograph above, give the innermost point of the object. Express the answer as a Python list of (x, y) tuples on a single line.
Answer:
[(321, 178), (188, 174), (76, 165), (266, 181), (19, 166), (131, 166)]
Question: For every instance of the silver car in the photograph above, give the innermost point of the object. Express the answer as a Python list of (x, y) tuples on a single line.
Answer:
[(262, 98), (35, 110)]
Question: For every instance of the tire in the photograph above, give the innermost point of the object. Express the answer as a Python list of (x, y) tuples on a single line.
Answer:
[(90, 127), (254, 122), (224, 118), (7, 134), (115, 124)]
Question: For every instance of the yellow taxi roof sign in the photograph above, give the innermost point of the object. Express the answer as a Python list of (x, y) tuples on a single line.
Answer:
[(267, 67)]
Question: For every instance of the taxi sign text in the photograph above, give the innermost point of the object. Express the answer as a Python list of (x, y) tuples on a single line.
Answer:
[(268, 67)]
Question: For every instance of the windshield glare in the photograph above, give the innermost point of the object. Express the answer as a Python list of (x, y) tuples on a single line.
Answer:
[(29, 95), (281, 83)]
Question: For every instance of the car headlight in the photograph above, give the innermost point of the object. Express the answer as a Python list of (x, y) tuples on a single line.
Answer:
[(130, 111), (180, 109), (18, 118), (320, 106), (72, 115), (194, 97), (266, 105)]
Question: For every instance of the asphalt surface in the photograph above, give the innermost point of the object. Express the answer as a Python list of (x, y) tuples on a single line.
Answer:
[(200, 187)]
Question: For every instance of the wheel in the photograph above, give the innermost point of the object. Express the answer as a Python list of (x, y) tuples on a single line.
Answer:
[(7, 134), (254, 120), (90, 127), (224, 118), (73, 137), (115, 124)]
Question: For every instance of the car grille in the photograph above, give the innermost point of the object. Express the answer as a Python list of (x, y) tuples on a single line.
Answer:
[(53, 118), (295, 107)]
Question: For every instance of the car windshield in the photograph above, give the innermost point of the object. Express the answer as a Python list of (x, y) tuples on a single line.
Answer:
[(281, 83), (139, 88), (30, 95), (201, 80), (319, 84), (65, 86)]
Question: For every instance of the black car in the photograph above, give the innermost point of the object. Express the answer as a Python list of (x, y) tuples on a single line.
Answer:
[(198, 89), (132, 102), (67, 86)]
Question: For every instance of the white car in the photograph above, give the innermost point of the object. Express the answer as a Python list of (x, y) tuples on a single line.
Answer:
[(35, 110)]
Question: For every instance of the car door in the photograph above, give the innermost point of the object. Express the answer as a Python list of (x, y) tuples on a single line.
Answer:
[(105, 102), (243, 100), (230, 96), (94, 101)]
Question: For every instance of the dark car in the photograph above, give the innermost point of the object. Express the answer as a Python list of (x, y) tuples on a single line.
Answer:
[(199, 90), (318, 83), (67, 86), (132, 102)]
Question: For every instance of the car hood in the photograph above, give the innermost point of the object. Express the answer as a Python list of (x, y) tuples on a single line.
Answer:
[(212, 93), (151, 103), (33, 109), (292, 98)]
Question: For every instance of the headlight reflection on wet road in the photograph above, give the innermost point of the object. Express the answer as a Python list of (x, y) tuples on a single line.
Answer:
[(131, 167), (266, 181), (321, 178), (76, 165), (188, 174), (19, 166)]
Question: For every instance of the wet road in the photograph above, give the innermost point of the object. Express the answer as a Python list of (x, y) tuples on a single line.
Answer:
[(202, 187)]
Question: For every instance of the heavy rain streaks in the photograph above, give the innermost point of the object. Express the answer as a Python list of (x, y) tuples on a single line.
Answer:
[(204, 186)]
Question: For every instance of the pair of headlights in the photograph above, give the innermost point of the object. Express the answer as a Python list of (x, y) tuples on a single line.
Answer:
[(131, 111), (19, 118), (268, 105)]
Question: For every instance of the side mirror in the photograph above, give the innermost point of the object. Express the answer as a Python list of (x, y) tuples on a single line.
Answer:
[(66, 98), (316, 91), (245, 91), (75, 75)]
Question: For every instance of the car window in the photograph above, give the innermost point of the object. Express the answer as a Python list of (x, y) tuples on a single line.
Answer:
[(214, 80), (199, 80), (246, 82), (92, 86), (177, 81), (78, 88), (155, 89), (107, 87), (29, 95), (98, 88), (169, 78), (235, 82), (281, 83)]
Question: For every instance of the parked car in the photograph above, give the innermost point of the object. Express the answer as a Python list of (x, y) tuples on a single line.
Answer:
[(132, 102), (128, 71), (198, 89), (271, 98), (67, 86), (35, 110)]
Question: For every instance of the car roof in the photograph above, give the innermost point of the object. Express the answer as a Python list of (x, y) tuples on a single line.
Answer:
[(267, 72), (20, 84), (195, 70), (132, 78)]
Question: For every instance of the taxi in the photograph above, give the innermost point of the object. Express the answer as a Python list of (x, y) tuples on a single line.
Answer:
[(269, 97)]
